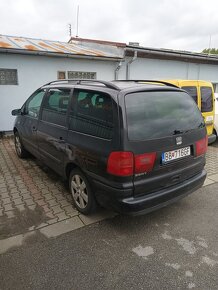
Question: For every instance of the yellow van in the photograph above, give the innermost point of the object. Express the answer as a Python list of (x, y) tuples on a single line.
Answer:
[(203, 94)]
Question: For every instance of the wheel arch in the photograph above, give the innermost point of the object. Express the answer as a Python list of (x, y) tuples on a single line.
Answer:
[(69, 167)]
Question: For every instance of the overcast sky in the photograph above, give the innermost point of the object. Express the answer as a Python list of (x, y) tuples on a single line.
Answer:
[(172, 24)]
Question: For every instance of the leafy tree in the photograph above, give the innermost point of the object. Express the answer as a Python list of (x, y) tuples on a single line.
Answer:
[(210, 50)]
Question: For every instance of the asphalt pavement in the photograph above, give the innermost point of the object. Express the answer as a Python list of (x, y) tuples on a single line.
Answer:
[(173, 248)]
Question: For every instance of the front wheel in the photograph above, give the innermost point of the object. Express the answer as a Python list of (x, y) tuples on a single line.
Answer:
[(83, 197), (20, 150)]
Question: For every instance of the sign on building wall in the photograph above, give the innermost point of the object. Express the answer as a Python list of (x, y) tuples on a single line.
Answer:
[(77, 75), (8, 76)]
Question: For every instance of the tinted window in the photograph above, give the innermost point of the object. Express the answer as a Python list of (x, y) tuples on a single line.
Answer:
[(192, 91), (153, 115), (32, 106), (206, 99), (91, 113), (55, 106)]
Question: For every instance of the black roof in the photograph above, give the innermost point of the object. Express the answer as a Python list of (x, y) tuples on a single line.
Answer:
[(117, 85)]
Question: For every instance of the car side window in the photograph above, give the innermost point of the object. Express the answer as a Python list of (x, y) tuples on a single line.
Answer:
[(32, 106), (55, 106), (206, 99), (91, 113)]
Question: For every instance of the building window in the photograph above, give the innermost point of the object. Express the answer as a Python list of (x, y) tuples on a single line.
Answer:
[(61, 75), (82, 75), (8, 76)]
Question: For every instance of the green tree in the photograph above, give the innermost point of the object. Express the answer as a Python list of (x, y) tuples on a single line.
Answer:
[(210, 50)]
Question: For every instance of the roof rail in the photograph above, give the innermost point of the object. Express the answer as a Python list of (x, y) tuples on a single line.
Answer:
[(80, 81), (149, 81)]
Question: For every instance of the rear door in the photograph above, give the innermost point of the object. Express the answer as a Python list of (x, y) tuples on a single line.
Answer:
[(163, 127), (93, 125)]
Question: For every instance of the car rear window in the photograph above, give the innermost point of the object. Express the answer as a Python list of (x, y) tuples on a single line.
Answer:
[(206, 99), (192, 91), (152, 115)]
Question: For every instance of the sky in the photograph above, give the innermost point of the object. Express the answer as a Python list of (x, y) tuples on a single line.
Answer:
[(190, 25)]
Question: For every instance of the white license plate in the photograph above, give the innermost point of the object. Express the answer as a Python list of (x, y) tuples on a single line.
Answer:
[(176, 154)]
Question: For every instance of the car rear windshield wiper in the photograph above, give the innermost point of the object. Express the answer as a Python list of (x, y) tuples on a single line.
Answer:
[(175, 132), (202, 125)]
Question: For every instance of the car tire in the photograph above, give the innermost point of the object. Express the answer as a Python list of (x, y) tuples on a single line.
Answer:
[(83, 197), (20, 150)]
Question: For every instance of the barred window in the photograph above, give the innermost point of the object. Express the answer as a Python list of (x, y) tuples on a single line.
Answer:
[(82, 75), (8, 76)]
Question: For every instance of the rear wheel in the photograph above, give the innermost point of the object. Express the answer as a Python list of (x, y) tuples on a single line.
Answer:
[(83, 197), (20, 150)]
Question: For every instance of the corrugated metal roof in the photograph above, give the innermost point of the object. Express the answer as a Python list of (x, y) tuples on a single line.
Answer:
[(24, 44)]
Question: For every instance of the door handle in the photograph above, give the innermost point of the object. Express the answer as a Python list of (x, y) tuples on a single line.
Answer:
[(61, 140)]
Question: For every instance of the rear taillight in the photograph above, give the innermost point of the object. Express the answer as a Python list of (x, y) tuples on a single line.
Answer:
[(127, 164), (144, 162), (120, 163), (201, 146)]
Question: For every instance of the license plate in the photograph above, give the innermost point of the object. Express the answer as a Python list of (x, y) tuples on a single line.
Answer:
[(176, 154)]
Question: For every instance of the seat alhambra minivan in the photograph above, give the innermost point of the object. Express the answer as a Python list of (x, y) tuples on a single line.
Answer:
[(124, 145)]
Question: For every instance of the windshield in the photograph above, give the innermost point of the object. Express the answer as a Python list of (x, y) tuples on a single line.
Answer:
[(153, 115)]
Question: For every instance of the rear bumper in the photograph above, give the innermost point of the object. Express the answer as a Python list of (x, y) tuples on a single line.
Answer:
[(109, 197), (211, 138)]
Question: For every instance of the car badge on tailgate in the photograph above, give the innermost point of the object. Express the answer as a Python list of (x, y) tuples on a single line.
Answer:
[(178, 140)]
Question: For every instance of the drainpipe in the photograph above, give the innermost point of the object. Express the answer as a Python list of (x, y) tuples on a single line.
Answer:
[(129, 63), (117, 70), (187, 75), (199, 68)]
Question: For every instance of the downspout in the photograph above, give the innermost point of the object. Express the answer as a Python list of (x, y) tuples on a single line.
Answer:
[(117, 70), (129, 63)]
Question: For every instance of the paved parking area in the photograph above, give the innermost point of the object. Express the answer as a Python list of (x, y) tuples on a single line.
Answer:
[(33, 197)]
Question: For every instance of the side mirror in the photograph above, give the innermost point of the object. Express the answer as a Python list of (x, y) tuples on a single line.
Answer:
[(16, 112)]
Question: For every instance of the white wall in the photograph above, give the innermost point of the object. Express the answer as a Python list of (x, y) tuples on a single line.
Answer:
[(143, 68), (33, 72)]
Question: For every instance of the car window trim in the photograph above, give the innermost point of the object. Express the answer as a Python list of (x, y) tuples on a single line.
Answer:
[(75, 94), (29, 99), (67, 113)]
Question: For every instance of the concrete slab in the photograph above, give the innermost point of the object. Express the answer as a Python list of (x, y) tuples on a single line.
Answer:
[(104, 214), (208, 182), (15, 241), (213, 177), (62, 227)]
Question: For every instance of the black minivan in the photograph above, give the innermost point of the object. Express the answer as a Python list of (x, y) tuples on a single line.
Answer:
[(130, 146)]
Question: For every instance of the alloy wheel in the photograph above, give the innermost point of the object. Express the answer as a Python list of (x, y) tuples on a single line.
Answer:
[(79, 191)]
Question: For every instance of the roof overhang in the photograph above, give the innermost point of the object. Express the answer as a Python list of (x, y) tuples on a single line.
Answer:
[(55, 54), (171, 55)]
